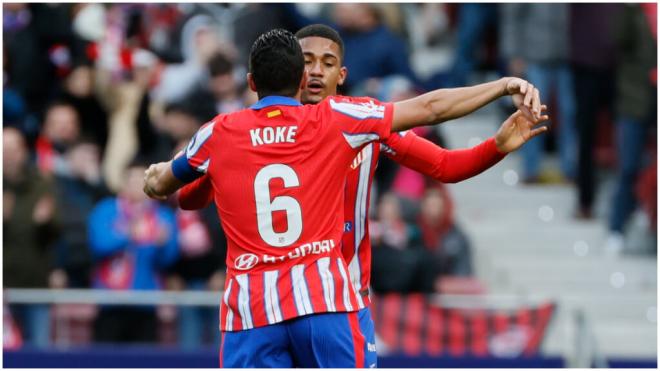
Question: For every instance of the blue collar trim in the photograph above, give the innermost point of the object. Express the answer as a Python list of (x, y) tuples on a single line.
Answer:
[(275, 100)]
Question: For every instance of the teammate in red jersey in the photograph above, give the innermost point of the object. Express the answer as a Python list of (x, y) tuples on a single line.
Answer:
[(323, 50), (278, 171)]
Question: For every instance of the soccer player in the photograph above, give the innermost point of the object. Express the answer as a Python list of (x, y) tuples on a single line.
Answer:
[(278, 170), (323, 50)]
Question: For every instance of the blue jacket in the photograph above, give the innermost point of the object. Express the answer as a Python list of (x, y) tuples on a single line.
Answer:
[(120, 261)]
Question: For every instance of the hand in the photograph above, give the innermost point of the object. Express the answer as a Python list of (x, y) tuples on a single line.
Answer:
[(518, 130), (149, 176), (525, 97), (8, 200)]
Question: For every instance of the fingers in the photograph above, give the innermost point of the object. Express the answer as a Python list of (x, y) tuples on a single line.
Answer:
[(523, 87), (538, 131), (529, 94), (536, 103)]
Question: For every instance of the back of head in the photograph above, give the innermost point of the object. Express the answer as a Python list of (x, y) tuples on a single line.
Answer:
[(277, 63)]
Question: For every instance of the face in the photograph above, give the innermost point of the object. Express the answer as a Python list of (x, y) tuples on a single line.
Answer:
[(14, 151), (61, 124), (322, 67), (432, 206)]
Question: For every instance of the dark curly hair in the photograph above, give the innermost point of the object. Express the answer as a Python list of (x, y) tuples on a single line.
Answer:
[(277, 63)]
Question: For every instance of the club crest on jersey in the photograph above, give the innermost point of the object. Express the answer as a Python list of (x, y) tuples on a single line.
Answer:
[(246, 261)]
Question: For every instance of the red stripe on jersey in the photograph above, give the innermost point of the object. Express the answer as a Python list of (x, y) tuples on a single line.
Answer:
[(287, 300), (390, 323), (339, 287), (257, 301), (479, 334), (358, 339), (236, 323), (434, 331), (412, 344), (313, 280), (456, 333)]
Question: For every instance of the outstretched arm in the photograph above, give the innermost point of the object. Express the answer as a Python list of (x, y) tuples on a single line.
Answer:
[(447, 104), (451, 166)]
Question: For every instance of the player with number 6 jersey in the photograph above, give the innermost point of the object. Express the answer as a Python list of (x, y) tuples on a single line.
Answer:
[(276, 169)]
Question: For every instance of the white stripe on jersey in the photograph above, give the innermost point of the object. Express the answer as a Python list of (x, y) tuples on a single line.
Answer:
[(198, 139), (300, 293), (230, 313), (204, 167), (346, 293), (359, 111), (360, 219), (271, 297), (328, 283), (244, 300), (354, 271), (357, 140)]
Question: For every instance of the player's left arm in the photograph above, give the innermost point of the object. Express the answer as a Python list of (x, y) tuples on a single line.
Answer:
[(443, 165), (446, 104), (451, 166)]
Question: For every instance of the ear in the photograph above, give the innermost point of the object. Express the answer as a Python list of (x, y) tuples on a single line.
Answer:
[(251, 83), (343, 73)]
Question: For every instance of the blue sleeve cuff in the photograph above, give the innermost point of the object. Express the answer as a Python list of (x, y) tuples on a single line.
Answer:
[(183, 170)]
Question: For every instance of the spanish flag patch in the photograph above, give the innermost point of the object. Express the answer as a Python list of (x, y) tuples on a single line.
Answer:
[(275, 113)]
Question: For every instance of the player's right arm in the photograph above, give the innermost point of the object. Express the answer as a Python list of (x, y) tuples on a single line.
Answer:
[(446, 104), (196, 195)]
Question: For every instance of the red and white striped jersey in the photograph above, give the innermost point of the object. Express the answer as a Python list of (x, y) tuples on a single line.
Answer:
[(356, 244), (278, 172)]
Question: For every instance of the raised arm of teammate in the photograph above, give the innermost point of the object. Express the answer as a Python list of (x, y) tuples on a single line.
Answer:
[(446, 104)]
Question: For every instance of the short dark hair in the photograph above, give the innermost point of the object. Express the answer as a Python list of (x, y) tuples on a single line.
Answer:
[(219, 64), (326, 32), (277, 63)]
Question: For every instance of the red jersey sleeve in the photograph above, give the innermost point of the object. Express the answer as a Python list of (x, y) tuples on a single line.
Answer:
[(196, 195), (361, 120), (447, 166)]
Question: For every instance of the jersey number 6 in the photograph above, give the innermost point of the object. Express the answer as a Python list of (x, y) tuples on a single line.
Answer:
[(265, 206)]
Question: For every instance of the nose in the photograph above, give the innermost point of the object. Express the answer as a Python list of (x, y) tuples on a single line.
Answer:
[(316, 69)]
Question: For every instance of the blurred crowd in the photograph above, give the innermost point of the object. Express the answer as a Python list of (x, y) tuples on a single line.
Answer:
[(93, 93)]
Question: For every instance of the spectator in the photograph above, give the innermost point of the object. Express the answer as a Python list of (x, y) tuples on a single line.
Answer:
[(30, 228), (636, 113), (370, 48), (132, 240), (523, 28), (446, 243), (60, 130), (397, 261), (592, 52), (221, 93), (79, 93), (78, 190)]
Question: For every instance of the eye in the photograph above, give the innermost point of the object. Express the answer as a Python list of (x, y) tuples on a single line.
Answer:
[(307, 61), (329, 64)]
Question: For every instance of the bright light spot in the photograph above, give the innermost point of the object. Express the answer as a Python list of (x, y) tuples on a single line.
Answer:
[(652, 314), (474, 141), (581, 248), (617, 279), (510, 177), (546, 213)]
